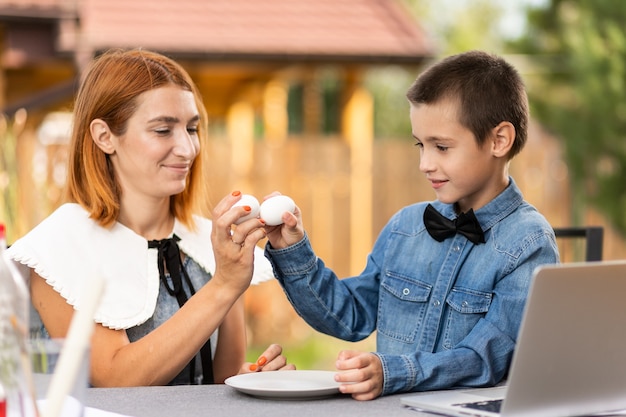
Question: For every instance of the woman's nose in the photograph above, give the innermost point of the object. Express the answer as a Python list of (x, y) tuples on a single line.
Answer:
[(186, 145)]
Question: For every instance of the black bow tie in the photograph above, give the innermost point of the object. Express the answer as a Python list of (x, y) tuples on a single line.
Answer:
[(441, 228)]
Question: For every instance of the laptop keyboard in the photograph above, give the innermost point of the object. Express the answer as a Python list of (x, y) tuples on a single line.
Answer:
[(491, 405)]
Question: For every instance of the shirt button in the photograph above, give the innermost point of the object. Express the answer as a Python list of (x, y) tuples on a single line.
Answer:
[(406, 291), (456, 248), (436, 303), (464, 304)]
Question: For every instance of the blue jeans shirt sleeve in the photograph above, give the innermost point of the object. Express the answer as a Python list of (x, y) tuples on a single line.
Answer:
[(343, 308)]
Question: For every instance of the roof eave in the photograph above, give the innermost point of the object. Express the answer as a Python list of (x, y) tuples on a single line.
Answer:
[(252, 57), (13, 13)]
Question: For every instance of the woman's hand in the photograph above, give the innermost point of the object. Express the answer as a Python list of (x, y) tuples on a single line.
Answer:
[(361, 374), (288, 233), (270, 360), (234, 248)]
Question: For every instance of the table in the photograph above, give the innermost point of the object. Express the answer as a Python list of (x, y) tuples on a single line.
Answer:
[(222, 400)]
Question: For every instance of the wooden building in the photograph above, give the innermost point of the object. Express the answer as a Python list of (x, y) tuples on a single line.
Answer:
[(268, 71), (282, 81)]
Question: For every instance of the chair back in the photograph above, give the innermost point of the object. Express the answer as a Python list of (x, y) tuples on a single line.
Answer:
[(593, 238)]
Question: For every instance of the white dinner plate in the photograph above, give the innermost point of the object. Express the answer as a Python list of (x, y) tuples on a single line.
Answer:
[(286, 385)]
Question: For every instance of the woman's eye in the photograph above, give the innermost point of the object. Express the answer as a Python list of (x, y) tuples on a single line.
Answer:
[(193, 130), (162, 131)]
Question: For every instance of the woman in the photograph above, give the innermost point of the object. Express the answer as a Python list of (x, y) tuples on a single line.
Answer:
[(172, 310)]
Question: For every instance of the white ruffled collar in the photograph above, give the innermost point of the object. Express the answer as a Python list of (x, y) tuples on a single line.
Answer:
[(68, 247)]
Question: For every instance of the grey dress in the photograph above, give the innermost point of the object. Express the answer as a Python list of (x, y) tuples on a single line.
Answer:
[(165, 308)]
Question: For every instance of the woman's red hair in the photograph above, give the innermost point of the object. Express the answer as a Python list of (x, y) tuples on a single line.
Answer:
[(109, 92)]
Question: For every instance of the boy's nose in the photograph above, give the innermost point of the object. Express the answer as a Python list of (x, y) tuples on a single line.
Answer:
[(426, 163)]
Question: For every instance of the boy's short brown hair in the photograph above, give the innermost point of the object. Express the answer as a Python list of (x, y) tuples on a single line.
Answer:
[(489, 91)]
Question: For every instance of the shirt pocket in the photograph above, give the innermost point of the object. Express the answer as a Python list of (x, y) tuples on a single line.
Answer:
[(402, 306), (465, 308)]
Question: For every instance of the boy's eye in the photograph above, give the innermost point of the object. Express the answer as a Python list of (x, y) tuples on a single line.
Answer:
[(442, 148), (419, 144)]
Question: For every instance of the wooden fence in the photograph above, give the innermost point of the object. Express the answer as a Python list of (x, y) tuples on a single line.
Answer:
[(317, 173)]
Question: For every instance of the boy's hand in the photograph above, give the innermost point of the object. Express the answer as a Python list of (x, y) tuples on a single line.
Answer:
[(288, 233), (361, 376)]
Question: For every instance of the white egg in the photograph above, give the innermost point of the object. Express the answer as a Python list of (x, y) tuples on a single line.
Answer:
[(273, 208), (248, 200)]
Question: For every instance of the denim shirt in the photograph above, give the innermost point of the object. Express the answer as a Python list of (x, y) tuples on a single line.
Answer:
[(447, 314)]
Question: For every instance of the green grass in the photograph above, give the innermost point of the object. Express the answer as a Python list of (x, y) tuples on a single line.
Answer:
[(317, 352)]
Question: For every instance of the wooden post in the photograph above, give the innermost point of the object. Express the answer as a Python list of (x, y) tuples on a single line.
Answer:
[(275, 119), (240, 131), (312, 116), (358, 129)]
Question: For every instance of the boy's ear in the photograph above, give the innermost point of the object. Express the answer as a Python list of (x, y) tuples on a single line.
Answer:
[(503, 139), (102, 136)]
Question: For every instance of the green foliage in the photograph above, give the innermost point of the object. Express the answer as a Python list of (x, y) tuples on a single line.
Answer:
[(318, 352), (389, 86), (454, 27), (579, 95), (315, 353), (9, 131), (461, 25)]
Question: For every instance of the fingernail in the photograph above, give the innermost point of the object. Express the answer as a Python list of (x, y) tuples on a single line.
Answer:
[(236, 193), (253, 367), (247, 208), (262, 361)]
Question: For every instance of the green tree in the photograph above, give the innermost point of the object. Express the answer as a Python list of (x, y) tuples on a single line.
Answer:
[(10, 130), (579, 94), (461, 25)]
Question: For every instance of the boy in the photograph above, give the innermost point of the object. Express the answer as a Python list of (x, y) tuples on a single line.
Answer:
[(446, 301)]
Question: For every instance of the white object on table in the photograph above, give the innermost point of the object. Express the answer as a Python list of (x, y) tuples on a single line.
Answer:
[(75, 346)]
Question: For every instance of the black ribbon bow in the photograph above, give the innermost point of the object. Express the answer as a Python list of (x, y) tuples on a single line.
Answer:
[(169, 258), (441, 228)]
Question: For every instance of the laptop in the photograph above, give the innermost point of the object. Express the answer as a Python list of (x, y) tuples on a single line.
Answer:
[(570, 358)]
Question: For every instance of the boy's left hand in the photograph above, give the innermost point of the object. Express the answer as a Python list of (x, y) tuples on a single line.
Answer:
[(361, 376), (291, 231)]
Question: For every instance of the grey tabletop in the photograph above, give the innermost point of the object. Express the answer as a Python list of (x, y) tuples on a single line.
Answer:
[(222, 400)]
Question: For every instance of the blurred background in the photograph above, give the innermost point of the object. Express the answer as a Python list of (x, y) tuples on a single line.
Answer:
[(307, 97)]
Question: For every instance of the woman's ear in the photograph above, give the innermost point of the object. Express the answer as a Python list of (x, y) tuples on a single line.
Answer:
[(504, 137), (102, 136)]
